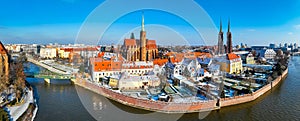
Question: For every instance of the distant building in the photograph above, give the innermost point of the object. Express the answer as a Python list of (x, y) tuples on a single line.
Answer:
[(272, 46), (4, 61), (280, 45), (268, 54), (250, 59), (286, 45), (246, 57), (48, 53), (295, 46), (31, 49)]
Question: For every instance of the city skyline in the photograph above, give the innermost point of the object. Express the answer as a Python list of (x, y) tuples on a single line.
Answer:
[(253, 23)]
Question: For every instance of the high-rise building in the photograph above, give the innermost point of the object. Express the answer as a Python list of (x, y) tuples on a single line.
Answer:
[(272, 46), (286, 45), (229, 39), (220, 41), (295, 46)]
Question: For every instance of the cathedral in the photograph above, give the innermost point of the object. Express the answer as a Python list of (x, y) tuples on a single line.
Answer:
[(140, 49), (222, 49)]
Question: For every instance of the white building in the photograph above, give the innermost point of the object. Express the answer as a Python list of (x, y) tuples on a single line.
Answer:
[(268, 54), (190, 65), (48, 53), (129, 82), (137, 68)]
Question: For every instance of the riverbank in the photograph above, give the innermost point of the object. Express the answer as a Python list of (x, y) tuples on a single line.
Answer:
[(251, 97), (25, 111), (173, 107)]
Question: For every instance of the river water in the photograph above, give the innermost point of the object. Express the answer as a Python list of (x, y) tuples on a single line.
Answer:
[(65, 101)]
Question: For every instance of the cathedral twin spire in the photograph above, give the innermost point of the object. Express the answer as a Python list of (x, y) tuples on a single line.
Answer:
[(228, 47)]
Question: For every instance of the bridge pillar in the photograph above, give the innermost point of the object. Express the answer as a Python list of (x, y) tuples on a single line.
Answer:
[(47, 80)]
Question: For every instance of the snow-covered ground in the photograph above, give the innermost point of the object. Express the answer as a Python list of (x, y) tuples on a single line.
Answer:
[(16, 111)]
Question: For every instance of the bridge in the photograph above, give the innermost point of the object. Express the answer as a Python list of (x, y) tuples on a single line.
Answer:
[(51, 71)]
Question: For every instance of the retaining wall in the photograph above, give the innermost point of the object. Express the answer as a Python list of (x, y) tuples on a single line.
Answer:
[(250, 97), (159, 106), (173, 107)]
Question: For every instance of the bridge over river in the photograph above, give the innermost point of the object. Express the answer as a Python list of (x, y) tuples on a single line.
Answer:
[(50, 71)]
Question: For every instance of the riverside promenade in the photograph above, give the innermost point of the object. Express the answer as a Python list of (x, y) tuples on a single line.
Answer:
[(173, 107), (52, 69)]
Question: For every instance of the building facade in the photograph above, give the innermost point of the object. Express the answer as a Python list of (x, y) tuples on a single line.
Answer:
[(140, 50), (4, 61), (231, 63), (49, 53)]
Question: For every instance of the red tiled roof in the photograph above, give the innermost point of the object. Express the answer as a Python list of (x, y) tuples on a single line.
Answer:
[(232, 56), (129, 42), (79, 49), (2, 49), (151, 44)]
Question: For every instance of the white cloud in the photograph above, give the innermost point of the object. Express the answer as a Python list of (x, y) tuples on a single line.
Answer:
[(290, 33), (297, 26)]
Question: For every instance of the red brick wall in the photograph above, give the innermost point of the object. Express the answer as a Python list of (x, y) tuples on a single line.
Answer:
[(172, 106), (148, 104)]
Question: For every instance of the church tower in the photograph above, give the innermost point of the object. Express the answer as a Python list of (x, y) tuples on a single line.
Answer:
[(229, 39), (143, 50), (220, 40)]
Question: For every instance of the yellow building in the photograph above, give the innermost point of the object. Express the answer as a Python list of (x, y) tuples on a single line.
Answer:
[(113, 83), (232, 63), (129, 82), (62, 53), (250, 59)]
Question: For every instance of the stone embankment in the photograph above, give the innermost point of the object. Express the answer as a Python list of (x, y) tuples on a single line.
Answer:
[(173, 107)]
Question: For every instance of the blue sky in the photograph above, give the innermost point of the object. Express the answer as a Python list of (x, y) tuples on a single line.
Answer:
[(254, 22)]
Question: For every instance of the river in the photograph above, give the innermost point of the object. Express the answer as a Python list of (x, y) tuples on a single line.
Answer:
[(65, 101)]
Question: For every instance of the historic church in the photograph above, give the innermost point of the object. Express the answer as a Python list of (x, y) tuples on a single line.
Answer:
[(222, 49), (140, 49)]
